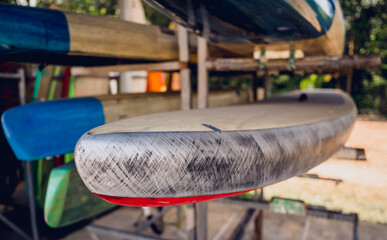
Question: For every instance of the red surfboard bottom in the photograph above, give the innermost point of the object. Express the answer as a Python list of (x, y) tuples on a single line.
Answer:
[(160, 202)]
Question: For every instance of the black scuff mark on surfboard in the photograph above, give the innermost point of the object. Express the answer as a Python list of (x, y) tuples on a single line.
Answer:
[(212, 128)]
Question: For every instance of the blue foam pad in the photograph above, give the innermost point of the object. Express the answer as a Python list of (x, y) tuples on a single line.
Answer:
[(50, 128)]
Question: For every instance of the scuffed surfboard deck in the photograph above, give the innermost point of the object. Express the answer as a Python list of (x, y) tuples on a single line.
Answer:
[(189, 156), (68, 200)]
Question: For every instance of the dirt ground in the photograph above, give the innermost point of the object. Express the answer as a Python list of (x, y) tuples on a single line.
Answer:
[(364, 186), (224, 218)]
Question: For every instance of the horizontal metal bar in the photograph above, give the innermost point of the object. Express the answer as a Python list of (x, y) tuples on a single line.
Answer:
[(10, 75)]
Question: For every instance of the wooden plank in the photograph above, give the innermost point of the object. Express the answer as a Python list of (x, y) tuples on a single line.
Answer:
[(133, 105), (255, 86), (307, 65), (91, 86), (162, 66), (185, 72), (22, 86), (190, 222), (267, 82), (201, 220), (203, 89), (349, 81), (10, 75), (202, 73), (109, 37)]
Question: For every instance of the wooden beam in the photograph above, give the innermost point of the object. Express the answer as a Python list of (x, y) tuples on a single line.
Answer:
[(190, 222), (93, 71), (10, 75), (202, 73), (124, 106), (203, 89), (201, 220), (349, 81), (185, 72), (22, 86), (267, 82), (307, 65), (255, 86)]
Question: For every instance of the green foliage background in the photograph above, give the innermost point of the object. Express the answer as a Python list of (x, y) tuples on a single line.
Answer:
[(366, 23), (366, 32), (103, 8)]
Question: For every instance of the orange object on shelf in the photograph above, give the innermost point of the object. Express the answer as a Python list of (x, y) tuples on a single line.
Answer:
[(175, 85), (156, 82)]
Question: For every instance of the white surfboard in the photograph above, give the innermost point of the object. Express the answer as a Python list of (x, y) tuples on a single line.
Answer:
[(189, 156)]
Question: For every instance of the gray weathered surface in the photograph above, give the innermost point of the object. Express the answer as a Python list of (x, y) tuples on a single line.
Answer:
[(177, 163)]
